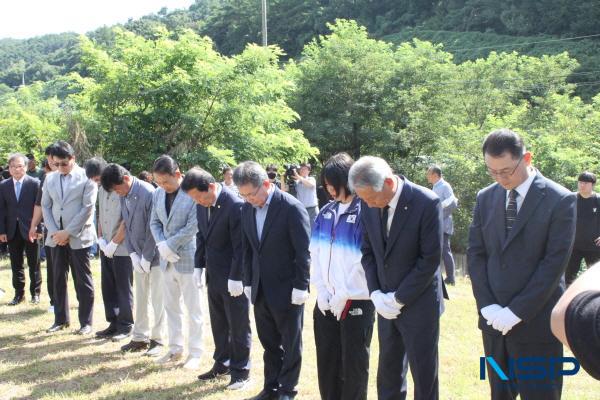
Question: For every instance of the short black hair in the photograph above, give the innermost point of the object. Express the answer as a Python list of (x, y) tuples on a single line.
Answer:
[(226, 169), (272, 167), (112, 175), (307, 165), (94, 167), (49, 151), (197, 178), (144, 175), (335, 172), (62, 150), (165, 165), (436, 170), (503, 140), (30, 156), (587, 176)]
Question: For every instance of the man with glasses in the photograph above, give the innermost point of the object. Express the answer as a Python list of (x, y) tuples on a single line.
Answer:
[(68, 205), (519, 243), (276, 264), (17, 200)]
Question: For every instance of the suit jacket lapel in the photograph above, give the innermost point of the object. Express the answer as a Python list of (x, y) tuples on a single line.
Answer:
[(535, 194), (216, 212), (251, 216), (376, 238), (272, 212), (499, 209), (134, 201), (401, 213), (173, 206)]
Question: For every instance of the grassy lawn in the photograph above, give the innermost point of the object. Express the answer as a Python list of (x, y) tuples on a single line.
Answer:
[(36, 365)]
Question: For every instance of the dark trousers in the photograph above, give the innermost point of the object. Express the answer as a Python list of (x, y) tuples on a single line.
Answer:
[(403, 343), (280, 334), (62, 257), (16, 246), (448, 258), (117, 291), (49, 274), (590, 257), (343, 351), (230, 324), (501, 348)]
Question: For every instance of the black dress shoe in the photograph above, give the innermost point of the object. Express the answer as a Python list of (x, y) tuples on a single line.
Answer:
[(135, 346), (84, 330), (57, 327), (450, 282), (285, 397), (106, 333), (16, 300), (265, 394), (216, 371), (35, 299)]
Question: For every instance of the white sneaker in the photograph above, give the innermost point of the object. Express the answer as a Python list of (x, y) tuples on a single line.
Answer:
[(192, 363), (238, 384), (51, 309), (169, 358)]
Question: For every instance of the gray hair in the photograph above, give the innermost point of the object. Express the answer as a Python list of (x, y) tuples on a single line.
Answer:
[(369, 171), (14, 156), (249, 172)]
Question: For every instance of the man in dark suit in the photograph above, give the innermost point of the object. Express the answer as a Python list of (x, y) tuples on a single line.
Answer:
[(401, 257), (17, 200), (519, 244), (276, 265), (219, 252)]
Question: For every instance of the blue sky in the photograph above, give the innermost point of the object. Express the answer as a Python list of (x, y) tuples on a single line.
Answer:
[(27, 18)]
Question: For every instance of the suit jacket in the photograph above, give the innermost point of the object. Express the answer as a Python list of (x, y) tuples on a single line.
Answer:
[(136, 210), (409, 264), (523, 271), (76, 209), (280, 260), (449, 203), (17, 214), (178, 229), (218, 242)]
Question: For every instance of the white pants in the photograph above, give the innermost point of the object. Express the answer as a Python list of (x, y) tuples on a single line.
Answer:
[(176, 286), (149, 289)]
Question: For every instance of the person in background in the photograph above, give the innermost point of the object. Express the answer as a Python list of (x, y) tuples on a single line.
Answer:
[(587, 233), (449, 204), (115, 264), (32, 168), (228, 180), (274, 176), (147, 177), (306, 191), (344, 314)]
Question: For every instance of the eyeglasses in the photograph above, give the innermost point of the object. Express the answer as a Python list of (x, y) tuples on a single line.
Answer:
[(503, 173), (61, 164), (20, 166), (245, 196)]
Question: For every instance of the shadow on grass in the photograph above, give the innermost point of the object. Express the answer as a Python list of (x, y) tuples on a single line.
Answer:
[(187, 391), (22, 314)]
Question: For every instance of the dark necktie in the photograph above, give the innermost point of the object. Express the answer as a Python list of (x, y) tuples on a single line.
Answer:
[(511, 211), (384, 221), (209, 212)]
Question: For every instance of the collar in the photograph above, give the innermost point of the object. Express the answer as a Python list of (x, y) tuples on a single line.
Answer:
[(439, 182), (218, 193), (270, 192), (19, 180), (523, 188), (394, 201)]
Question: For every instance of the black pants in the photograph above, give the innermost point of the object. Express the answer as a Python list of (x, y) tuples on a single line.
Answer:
[(280, 334), (16, 246), (62, 257), (49, 274), (343, 351), (501, 348), (230, 324), (577, 255), (402, 343), (117, 291)]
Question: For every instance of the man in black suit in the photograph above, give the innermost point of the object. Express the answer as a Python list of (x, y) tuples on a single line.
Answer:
[(402, 247), (219, 252), (276, 265), (17, 200), (520, 241)]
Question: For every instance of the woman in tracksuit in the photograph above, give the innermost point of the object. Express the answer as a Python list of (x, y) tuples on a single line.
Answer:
[(344, 314)]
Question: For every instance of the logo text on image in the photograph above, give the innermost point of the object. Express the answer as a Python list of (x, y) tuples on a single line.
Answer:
[(529, 368)]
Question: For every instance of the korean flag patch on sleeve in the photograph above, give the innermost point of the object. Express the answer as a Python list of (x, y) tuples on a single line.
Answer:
[(351, 219)]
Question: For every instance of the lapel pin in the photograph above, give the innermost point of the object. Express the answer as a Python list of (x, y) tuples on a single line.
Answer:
[(218, 206), (406, 207)]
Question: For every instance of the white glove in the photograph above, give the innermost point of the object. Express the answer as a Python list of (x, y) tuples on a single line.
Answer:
[(163, 249), (323, 301), (248, 292), (235, 288), (299, 296), (199, 277), (102, 243), (337, 304), (489, 312), (135, 261), (109, 249), (390, 300), (380, 301), (505, 320), (145, 265)]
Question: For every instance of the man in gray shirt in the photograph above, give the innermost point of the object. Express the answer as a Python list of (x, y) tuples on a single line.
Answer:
[(306, 192)]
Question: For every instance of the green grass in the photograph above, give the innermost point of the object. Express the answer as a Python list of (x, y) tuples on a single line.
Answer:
[(36, 365)]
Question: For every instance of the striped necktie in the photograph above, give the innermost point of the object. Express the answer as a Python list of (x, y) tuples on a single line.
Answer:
[(511, 210)]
